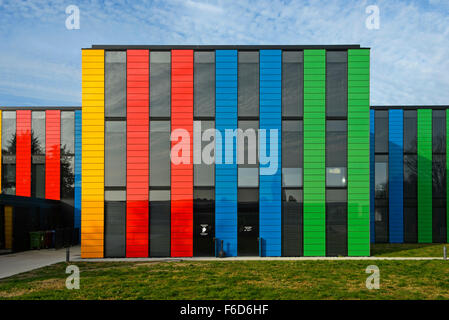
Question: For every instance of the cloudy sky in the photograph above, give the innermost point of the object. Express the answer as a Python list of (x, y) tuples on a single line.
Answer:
[(40, 59)]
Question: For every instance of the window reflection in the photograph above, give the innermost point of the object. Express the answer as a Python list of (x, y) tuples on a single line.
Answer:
[(336, 153), (410, 131), (9, 133), (336, 83), (115, 154), (160, 153), (292, 83), (204, 174), (204, 86), (248, 84), (160, 84), (381, 131), (115, 84), (381, 176), (68, 132), (292, 153), (38, 132)]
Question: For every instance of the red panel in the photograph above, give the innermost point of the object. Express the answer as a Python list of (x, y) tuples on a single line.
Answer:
[(137, 153), (182, 174), (52, 154), (23, 153)]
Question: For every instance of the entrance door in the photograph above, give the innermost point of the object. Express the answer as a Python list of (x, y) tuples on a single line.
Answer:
[(203, 222), (248, 222)]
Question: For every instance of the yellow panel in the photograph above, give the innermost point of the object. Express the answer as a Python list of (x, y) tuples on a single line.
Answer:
[(92, 177), (8, 227)]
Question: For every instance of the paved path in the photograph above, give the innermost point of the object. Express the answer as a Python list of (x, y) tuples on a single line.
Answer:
[(15, 263)]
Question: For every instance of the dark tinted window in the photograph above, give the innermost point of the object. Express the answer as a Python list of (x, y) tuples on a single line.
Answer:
[(114, 229), (292, 83), (410, 222), (9, 132), (9, 179), (67, 178), (159, 223), (247, 151), (381, 176), (439, 219), (67, 132), (439, 131), (410, 131), (336, 153), (381, 221), (410, 176), (204, 174), (336, 222), (160, 153), (248, 84), (336, 84), (381, 131), (115, 154), (204, 87), (115, 84), (439, 176), (160, 85), (292, 222), (292, 153), (38, 132), (38, 180)]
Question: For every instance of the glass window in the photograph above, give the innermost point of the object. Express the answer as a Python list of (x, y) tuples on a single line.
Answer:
[(38, 132), (115, 84), (292, 222), (160, 153), (9, 133), (115, 154), (381, 221), (68, 132), (67, 177), (336, 222), (439, 218), (114, 229), (336, 153), (410, 223), (410, 131), (204, 174), (292, 83), (439, 176), (204, 84), (38, 180), (248, 84), (247, 154), (410, 177), (9, 179), (439, 131), (292, 153), (247, 222), (381, 176), (381, 131), (160, 83), (159, 237), (336, 83)]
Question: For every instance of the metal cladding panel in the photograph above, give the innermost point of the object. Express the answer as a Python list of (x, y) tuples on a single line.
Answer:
[(270, 195), (23, 153), (137, 153), (371, 177), (182, 173), (314, 152), (78, 142), (396, 176), (226, 174), (92, 176), (52, 154), (358, 152), (425, 176)]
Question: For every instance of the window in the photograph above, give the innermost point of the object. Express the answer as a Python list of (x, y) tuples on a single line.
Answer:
[(410, 176), (381, 131), (204, 174), (336, 84), (38, 132), (292, 153), (336, 222), (439, 131), (160, 84), (159, 223), (67, 178), (115, 84), (247, 154), (410, 131), (68, 132), (115, 154), (381, 220), (38, 180), (9, 178), (292, 222), (160, 153), (336, 153), (248, 84), (204, 84), (292, 83), (9, 133), (381, 176), (115, 224)]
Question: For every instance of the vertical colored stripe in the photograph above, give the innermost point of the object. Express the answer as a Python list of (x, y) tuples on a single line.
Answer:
[(92, 177), (23, 153), (270, 197), (396, 176), (182, 173), (137, 152), (78, 170), (314, 152), (358, 153), (424, 176), (226, 173), (8, 227), (371, 177), (52, 154)]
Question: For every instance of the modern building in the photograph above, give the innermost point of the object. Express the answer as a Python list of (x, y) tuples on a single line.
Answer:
[(312, 199)]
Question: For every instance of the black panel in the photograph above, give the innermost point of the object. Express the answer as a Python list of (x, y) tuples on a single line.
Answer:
[(438, 131), (439, 221), (336, 223), (292, 84), (248, 222), (204, 84), (115, 84), (248, 84), (203, 222), (160, 84), (410, 131), (336, 84), (115, 229), (381, 221), (292, 223), (410, 221), (381, 131), (159, 223), (410, 198)]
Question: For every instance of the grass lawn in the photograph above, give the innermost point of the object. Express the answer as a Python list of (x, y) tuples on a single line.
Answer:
[(234, 280), (408, 250)]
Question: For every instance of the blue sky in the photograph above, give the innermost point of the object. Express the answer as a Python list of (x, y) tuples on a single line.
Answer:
[(40, 60)]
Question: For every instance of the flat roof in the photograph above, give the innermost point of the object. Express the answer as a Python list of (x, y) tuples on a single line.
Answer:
[(40, 108), (225, 47), (411, 107)]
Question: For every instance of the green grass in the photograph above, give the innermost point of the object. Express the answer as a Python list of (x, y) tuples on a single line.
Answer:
[(234, 280), (408, 250)]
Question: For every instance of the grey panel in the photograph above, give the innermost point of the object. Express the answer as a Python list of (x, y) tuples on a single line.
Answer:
[(336, 223), (115, 229), (159, 223)]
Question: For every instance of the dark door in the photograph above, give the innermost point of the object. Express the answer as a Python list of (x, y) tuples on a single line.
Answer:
[(248, 222), (203, 222)]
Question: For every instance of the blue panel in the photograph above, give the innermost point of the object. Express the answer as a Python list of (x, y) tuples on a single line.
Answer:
[(226, 174), (270, 192), (371, 177), (396, 176), (78, 170)]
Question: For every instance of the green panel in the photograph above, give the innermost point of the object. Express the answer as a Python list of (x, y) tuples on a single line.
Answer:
[(425, 176), (358, 152), (314, 152)]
